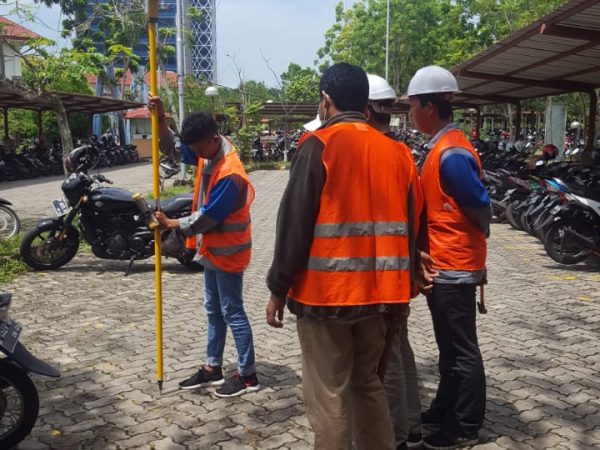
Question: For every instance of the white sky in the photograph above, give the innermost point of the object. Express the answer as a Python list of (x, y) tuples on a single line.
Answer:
[(284, 31)]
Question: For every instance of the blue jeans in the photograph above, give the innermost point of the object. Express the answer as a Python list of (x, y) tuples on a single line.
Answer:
[(225, 307)]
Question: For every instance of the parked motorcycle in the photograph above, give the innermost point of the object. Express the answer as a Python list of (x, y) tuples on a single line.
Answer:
[(114, 222), (574, 235), (9, 221), (19, 399)]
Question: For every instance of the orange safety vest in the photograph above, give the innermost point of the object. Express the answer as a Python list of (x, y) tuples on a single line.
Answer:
[(454, 242), (191, 243), (360, 253), (228, 246)]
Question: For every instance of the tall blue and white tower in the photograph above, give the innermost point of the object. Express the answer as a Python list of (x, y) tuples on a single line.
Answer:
[(200, 48), (202, 52)]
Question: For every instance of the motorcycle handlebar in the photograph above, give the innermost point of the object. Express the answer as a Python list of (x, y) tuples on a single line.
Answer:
[(103, 179)]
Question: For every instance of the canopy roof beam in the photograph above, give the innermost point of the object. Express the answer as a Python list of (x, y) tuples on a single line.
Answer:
[(561, 85)]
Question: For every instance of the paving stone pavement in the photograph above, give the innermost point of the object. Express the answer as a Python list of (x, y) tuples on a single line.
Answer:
[(539, 342)]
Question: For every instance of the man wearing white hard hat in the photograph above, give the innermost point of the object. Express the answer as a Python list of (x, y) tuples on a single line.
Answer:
[(381, 103), (401, 373), (458, 216), (313, 125)]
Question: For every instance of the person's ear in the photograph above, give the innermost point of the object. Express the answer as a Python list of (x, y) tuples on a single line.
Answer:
[(326, 100), (431, 109)]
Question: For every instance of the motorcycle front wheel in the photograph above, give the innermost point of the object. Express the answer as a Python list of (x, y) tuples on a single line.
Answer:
[(9, 222), (511, 216), (564, 249), (19, 404), (43, 248), (191, 265)]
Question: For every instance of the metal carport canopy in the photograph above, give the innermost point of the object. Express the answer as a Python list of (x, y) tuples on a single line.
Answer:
[(88, 104), (557, 54)]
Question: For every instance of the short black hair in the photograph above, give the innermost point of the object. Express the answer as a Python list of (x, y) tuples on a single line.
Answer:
[(347, 85), (198, 126), (444, 106)]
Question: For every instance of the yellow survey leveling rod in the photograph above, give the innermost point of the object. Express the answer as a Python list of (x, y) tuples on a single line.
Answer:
[(152, 12)]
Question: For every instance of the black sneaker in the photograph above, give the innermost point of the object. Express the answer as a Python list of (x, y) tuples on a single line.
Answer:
[(431, 419), (414, 441), (204, 378), (238, 385), (442, 441)]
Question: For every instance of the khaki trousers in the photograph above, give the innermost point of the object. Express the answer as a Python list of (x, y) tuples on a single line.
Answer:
[(344, 398)]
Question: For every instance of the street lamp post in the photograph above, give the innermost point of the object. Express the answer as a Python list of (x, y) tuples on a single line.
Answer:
[(212, 93), (180, 77), (577, 125), (387, 41)]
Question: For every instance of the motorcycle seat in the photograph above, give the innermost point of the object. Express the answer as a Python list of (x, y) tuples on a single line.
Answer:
[(585, 192), (174, 205)]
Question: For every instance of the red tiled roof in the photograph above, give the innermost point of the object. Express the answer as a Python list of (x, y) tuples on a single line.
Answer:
[(141, 113), (171, 77), (15, 31)]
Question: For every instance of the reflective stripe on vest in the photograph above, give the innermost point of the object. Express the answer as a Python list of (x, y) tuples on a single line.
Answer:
[(361, 229), (454, 242), (357, 264), (229, 250), (360, 249)]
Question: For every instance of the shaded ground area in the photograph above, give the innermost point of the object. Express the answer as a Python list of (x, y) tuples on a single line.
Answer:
[(539, 341)]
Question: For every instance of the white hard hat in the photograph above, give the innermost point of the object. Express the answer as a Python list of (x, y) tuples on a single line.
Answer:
[(432, 80), (379, 89), (313, 124)]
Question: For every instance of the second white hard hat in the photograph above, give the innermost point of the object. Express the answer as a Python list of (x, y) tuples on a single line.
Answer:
[(379, 89), (313, 124), (432, 80)]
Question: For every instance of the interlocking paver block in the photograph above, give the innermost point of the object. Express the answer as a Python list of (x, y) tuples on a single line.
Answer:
[(97, 326)]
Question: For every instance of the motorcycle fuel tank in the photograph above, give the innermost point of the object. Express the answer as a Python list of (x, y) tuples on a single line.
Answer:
[(113, 200)]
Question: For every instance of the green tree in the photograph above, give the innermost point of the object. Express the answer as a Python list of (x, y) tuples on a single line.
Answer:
[(45, 72), (444, 32), (300, 85)]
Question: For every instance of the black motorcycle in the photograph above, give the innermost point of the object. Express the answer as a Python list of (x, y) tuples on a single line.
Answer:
[(19, 399), (114, 222), (9, 221)]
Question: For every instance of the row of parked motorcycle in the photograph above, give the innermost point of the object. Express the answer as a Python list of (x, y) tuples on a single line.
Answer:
[(35, 160), (557, 202), (275, 151)]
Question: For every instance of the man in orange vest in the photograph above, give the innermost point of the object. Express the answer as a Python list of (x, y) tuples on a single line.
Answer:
[(458, 217), (401, 373), (225, 194), (343, 257)]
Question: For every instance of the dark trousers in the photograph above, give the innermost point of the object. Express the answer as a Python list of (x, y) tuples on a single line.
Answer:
[(460, 398)]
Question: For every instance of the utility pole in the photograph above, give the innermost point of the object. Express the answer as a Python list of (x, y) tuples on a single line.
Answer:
[(180, 74), (387, 41)]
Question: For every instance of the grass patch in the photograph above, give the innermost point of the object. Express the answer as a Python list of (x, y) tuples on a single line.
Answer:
[(171, 191), (10, 265), (10, 247), (266, 165)]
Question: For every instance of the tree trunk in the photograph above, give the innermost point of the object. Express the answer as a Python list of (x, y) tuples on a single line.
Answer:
[(170, 100), (511, 129), (2, 64), (124, 77), (63, 127)]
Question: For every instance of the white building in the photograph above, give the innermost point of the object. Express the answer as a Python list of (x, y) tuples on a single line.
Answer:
[(14, 37)]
